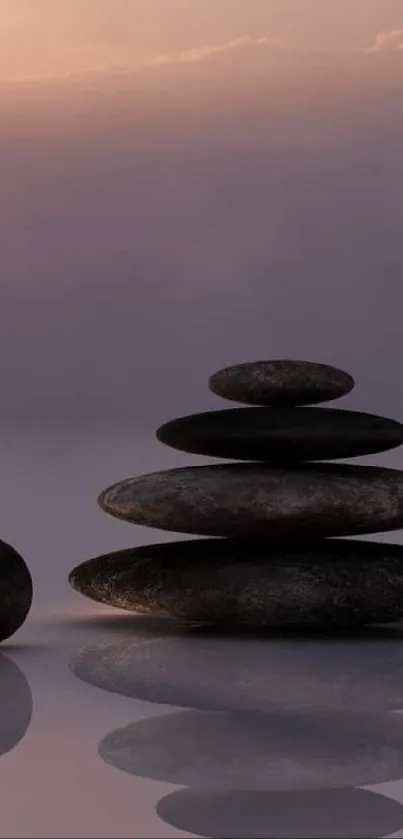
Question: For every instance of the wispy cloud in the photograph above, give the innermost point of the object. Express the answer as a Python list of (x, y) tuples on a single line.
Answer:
[(197, 54), (388, 42), (139, 228), (206, 52)]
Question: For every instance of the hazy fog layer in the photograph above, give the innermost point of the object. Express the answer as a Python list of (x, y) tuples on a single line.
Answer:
[(157, 225)]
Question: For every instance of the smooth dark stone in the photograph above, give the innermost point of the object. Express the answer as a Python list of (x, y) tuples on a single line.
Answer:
[(15, 705), (15, 591), (282, 435), (282, 814), (281, 751), (190, 668), (281, 382), (256, 500), (229, 581)]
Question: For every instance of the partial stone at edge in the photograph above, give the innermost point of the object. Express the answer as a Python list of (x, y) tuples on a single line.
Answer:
[(257, 500), (281, 383), (282, 435), (16, 591), (328, 583)]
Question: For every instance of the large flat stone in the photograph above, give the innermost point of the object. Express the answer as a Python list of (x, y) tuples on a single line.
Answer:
[(282, 435), (330, 583), (192, 668), (15, 591), (281, 382), (260, 501), (279, 751)]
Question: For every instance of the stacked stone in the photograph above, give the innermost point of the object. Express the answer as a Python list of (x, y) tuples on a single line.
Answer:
[(277, 565)]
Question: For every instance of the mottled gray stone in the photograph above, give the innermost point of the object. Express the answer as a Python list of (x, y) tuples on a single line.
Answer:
[(282, 814), (281, 382), (260, 501), (279, 751), (15, 591), (15, 705), (195, 669), (282, 435), (228, 581)]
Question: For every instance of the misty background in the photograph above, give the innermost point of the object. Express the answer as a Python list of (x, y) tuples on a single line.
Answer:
[(159, 224), (184, 184)]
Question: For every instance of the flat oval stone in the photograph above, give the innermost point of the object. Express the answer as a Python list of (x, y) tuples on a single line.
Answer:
[(260, 501), (15, 591), (281, 383), (327, 584), (282, 435), (282, 814), (259, 751), (193, 668)]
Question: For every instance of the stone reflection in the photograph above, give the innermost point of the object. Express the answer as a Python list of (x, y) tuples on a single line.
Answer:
[(15, 705), (227, 750), (191, 669), (278, 733), (290, 814)]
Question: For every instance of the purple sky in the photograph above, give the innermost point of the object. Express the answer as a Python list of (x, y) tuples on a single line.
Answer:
[(157, 225), (44, 37), (240, 203)]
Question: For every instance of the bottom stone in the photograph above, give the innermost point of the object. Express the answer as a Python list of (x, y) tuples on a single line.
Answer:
[(324, 584)]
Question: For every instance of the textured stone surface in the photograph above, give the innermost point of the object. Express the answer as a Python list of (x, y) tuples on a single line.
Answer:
[(228, 581), (259, 751), (15, 591), (15, 704), (259, 501), (282, 435), (282, 814), (195, 670), (281, 382)]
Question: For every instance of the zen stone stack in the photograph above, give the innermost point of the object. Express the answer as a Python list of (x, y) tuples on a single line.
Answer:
[(272, 560)]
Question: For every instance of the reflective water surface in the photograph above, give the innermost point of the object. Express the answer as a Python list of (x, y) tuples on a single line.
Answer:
[(77, 760), (112, 725)]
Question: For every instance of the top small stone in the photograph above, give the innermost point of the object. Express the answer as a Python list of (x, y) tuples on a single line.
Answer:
[(281, 383)]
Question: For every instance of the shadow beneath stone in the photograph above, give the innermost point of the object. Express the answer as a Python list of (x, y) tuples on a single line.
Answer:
[(16, 704), (24, 649), (129, 624), (389, 631), (257, 814)]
